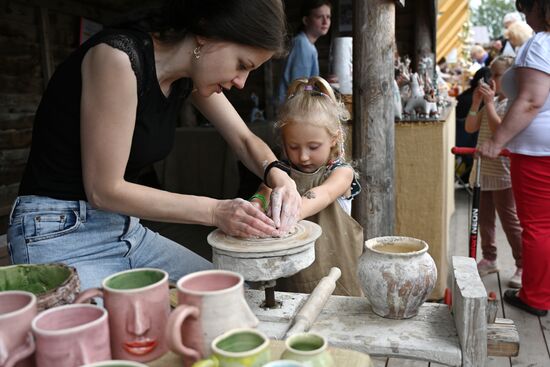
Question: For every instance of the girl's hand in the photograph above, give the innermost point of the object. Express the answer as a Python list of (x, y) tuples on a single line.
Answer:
[(490, 149), (487, 92), (241, 218), (285, 205), (476, 96)]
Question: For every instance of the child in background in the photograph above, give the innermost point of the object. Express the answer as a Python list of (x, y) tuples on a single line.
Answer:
[(312, 138), (495, 182)]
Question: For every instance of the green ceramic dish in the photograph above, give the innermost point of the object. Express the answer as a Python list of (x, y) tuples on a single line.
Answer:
[(53, 284)]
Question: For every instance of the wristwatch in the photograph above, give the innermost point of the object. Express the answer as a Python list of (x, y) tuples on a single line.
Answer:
[(275, 164)]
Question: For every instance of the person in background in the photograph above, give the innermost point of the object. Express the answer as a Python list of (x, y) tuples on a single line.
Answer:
[(518, 33), (310, 125), (506, 48), (464, 139), (480, 55), (302, 61), (495, 182), (525, 131), (110, 110)]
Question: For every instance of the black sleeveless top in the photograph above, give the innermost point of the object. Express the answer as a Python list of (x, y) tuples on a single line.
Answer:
[(54, 166)]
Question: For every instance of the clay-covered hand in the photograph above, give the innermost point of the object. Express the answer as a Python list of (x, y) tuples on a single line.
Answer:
[(490, 149), (284, 208), (240, 218)]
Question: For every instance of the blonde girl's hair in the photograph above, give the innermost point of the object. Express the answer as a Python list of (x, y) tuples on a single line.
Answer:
[(312, 101), (505, 61)]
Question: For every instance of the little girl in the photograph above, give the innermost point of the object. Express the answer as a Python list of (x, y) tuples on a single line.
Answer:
[(495, 182), (312, 138)]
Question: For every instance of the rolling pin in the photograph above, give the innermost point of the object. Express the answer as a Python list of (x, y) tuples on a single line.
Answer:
[(315, 303)]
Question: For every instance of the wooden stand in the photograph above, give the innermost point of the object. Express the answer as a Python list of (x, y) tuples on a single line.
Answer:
[(460, 338)]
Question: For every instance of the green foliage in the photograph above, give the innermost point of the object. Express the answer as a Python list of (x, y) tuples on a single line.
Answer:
[(490, 14)]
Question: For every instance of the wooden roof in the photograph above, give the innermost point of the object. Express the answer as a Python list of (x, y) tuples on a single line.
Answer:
[(452, 15)]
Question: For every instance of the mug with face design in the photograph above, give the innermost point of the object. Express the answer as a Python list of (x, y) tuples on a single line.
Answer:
[(17, 309), (238, 347), (71, 335), (211, 302), (116, 363), (139, 306)]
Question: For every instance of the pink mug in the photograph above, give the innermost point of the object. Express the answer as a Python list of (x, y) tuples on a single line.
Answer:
[(17, 309), (71, 335), (139, 305), (211, 302)]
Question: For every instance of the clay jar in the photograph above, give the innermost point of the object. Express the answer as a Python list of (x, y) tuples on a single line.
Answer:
[(138, 304), (211, 302), (17, 310), (397, 275), (309, 349)]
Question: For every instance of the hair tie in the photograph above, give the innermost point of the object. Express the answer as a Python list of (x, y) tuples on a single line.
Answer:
[(308, 87)]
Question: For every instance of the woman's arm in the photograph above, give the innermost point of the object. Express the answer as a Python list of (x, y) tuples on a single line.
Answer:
[(533, 89), (319, 197), (255, 154), (108, 113)]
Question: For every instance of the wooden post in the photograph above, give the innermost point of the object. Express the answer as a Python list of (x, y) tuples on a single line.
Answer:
[(373, 115)]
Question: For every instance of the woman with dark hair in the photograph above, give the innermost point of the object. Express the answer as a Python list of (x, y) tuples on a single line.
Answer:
[(525, 131), (110, 110), (302, 61)]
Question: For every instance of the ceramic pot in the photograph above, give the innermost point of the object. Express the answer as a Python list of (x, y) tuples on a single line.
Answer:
[(53, 284), (310, 349), (397, 275), (210, 303), (238, 347)]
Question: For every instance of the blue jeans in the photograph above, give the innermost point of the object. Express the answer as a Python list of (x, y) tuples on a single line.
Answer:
[(97, 243)]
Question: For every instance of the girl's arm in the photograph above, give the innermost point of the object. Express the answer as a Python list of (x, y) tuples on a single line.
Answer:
[(108, 113), (255, 154), (319, 197), (488, 94), (473, 119), (533, 89)]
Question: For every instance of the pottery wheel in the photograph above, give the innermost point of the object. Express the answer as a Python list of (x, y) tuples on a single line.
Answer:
[(264, 259)]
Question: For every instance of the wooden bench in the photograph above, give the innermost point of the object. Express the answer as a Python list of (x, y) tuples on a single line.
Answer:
[(458, 338)]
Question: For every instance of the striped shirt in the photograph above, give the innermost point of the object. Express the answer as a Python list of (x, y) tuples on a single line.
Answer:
[(495, 173)]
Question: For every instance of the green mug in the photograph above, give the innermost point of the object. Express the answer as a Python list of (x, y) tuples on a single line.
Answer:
[(238, 347), (309, 349)]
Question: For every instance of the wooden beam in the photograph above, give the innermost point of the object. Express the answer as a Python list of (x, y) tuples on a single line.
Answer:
[(46, 59), (373, 130)]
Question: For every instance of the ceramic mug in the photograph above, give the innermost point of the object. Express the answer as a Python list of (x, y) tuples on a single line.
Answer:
[(284, 363), (309, 349), (17, 309), (116, 363), (211, 302), (71, 335), (139, 305), (238, 347)]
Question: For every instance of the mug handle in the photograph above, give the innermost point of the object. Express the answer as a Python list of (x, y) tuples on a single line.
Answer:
[(88, 294), (212, 361), (22, 352), (173, 331)]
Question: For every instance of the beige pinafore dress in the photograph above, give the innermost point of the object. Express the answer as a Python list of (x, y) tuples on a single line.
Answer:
[(340, 244)]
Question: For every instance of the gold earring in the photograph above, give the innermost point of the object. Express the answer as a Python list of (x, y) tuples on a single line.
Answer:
[(197, 52)]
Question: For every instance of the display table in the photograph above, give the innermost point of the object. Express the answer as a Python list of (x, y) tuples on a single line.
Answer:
[(342, 357), (424, 186)]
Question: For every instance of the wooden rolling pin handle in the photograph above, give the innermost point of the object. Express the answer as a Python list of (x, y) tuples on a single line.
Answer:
[(315, 303)]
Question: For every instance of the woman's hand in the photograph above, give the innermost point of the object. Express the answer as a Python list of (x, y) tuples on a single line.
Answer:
[(285, 202), (241, 218), (490, 149)]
